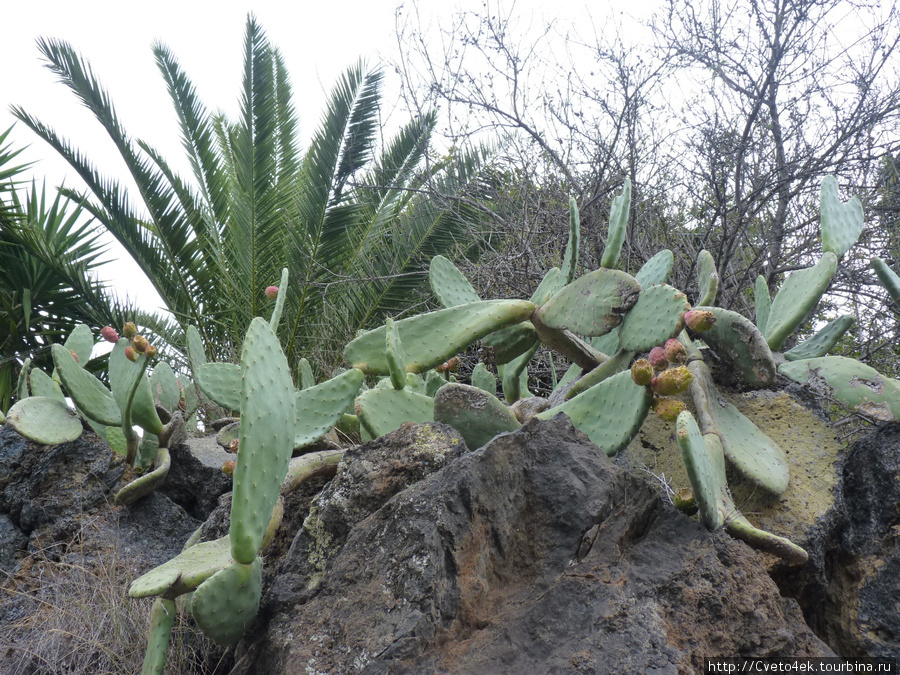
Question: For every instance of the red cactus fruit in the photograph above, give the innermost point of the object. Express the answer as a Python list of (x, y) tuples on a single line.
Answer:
[(658, 358), (700, 320), (675, 351), (109, 334), (671, 382), (642, 372), (233, 446), (130, 354), (272, 292)]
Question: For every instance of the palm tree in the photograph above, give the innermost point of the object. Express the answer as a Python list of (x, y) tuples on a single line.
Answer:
[(48, 256), (355, 231)]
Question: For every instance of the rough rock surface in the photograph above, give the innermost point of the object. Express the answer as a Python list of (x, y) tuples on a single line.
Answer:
[(532, 554), (196, 480)]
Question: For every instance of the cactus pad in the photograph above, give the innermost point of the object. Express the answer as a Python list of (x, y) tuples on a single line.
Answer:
[(164, 386), (380, 411), (738, 343), (266, 438), (552, 283), (887, 277), (484, 379), (610, 413), (44, 420), (88, 393), (225, 604), (146, 484), (822, 342), (763, 303), (797, 298), (854, 384), (510, 343), (394, 354), (699, 458), (592, 305), (656, 270), (841, 222), (43, 385), (162, 617), (320, 407), (196, 352), (570, 257), (81, 341), (707, 278), (475, 414), (185, 572), (656, 317), (123, 376), (450, 286), (618, 224), (221, 382), (430, 339), (307, 379)]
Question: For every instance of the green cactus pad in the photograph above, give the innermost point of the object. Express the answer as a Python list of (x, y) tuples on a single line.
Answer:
[(610, 413), (615, 364), (656, 270), (148, 453), (22, 381), (279, 301), (797, 298), (380, 411), (88, 393), (433, 381), (740, 528), (43, 385), (164, 386), (266, 438), (484, 379), (592, 305), (570, 257), (81, 341), (823, 341), (221, 382), (706, 481), (888, 278), (196, 352), (146, 484), (707, 278), (740, 345), (842, 223), (320, 407), (854, 384), (162, 617), (748, 449), (618, 224), (763, 303), (514, 376), (656, 317), (189, 392), (607, 344), (430, 339), (44, 420), (307, 379), (475, 414), (450, 286), (396, 357), (572, 373), (122, 376), (511, 342), (185, 572), (552, 283), (225, 604)]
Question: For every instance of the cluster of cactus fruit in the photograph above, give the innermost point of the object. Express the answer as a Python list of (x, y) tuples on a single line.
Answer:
[(635, 343)]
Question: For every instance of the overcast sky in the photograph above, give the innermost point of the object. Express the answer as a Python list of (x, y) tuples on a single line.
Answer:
[(319, 40)]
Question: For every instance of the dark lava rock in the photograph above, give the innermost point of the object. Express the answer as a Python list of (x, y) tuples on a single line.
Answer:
[(534, 554), (47, 486), (851, 598), (195, 480)]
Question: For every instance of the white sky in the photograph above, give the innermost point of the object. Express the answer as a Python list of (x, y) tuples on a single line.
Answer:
[(319, 40)]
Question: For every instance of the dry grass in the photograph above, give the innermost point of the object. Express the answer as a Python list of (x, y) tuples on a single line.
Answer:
[(72, 616)]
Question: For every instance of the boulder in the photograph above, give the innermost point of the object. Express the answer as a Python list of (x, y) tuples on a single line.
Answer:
[(534, 553), (196, 480)]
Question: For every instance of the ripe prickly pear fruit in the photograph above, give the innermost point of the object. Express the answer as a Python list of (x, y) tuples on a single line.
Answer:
[(228, 467), (130, 354), (450, 366), (700, 320), (74, 355), (271, 292), (129, 330), (109, 334), (658, 358), (675, 351), (671, 382), (140, 344), (668, 408), (642, 372), (233, 446)]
